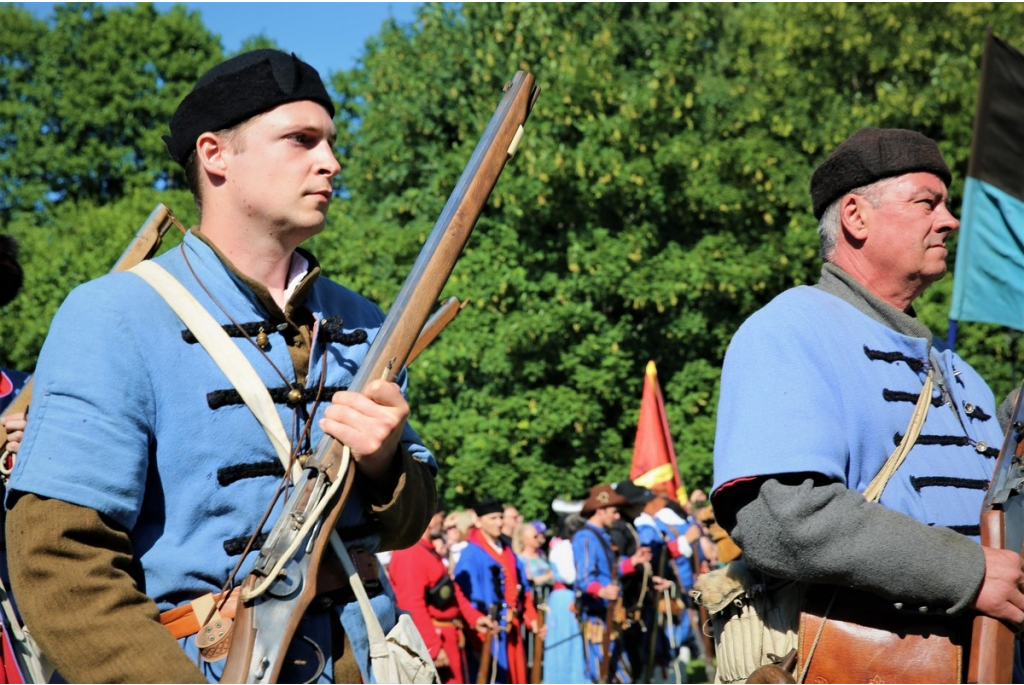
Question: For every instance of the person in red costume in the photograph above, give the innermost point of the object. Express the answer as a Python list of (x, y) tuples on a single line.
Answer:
[(424, 589)]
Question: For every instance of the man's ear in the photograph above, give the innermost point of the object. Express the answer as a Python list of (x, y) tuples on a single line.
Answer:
[(210, 150), (854, 214)]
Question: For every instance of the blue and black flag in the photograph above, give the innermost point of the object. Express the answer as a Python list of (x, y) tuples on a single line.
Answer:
[(989, 276)]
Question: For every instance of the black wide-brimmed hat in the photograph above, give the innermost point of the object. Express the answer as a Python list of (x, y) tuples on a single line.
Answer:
[(635, 494)]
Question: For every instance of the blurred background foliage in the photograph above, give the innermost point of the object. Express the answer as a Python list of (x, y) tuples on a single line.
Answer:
[(660, 195)]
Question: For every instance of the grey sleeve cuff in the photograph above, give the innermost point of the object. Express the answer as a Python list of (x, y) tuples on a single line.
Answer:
[(831, 534)]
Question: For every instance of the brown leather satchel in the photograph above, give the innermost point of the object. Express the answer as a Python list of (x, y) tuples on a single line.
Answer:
[(854, 637)]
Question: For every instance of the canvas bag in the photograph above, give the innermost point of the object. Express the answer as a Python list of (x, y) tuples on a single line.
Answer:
[(401, 656)]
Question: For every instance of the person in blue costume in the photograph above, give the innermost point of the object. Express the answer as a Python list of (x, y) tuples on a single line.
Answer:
[(495, 598), (599, 571), (144, 482), (818, 388)]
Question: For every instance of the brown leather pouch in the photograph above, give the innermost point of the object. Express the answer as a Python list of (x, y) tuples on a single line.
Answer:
[(864, 639)]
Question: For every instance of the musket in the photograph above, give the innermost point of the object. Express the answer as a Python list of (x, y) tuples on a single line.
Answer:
[(282, 582), (614, 608), (654, 630), (538, 646), (483, 675), (491, 634), (1002, 527), (144, 245)]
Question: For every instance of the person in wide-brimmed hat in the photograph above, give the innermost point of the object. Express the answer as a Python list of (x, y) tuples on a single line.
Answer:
[(598, 578)]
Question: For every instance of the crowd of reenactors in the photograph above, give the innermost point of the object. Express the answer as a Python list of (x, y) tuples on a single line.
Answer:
[(601, 595)]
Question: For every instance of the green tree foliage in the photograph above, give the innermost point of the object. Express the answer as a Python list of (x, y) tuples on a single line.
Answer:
[(660, 195), (85, 98)]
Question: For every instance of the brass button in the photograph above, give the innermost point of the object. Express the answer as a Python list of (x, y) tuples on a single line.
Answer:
[(294, 396), (981, 446)]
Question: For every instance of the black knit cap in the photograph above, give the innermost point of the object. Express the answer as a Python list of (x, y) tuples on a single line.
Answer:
[(239, 89), (872, 154), (488, 506)]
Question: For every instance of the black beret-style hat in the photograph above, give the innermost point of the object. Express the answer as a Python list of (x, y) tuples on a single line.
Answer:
[(488, 506), (872, 154), (239, 89)]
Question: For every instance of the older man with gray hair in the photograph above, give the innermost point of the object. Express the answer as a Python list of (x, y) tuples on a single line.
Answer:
[(821, 385)]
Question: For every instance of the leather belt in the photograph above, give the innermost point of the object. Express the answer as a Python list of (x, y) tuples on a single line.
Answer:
[(331, 583)]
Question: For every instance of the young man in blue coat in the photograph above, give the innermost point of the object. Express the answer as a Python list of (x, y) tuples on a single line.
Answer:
[(144, 482)]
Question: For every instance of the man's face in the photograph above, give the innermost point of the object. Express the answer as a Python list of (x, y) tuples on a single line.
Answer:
[(510, 519), (280, 166), (490, 524), (608, 516), (906, 234)]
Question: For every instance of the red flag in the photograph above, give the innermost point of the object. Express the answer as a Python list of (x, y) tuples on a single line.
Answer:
[(654, 458)]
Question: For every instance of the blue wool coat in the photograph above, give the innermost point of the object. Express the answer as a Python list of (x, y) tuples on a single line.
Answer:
[(812, 384)]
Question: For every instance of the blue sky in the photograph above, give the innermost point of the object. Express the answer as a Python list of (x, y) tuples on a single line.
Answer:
[(328, 35)]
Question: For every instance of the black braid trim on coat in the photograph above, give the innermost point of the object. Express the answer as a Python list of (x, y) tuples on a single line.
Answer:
[(235, 546), (979, 414), (232, 474), (892, 357), (331, 327), (946, 441), (899, 396), (251, 329), (229, 397), (966, 530), (919, 482)]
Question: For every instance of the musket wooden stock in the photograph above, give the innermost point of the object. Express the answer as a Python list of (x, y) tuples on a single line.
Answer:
[(992, 641), (536, 673), (606, 639), (486, 656), (391, 349)]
